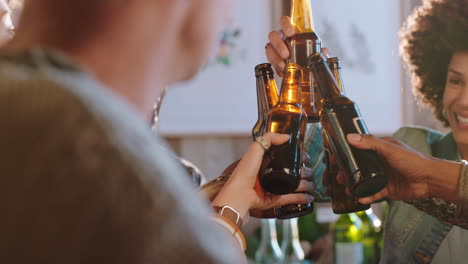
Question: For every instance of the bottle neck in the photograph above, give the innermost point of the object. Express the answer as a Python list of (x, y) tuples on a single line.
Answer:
[(290, 232), (291, 246), (271, 92), (324, 77), (335, 68), (291, 88), (269, 231), (261, 97), (268, 250), (267, 96), (267, 91), (301, 16)]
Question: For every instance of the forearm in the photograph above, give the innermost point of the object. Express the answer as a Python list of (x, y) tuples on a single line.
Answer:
[(231, 197), (443, 178), (448, 193)]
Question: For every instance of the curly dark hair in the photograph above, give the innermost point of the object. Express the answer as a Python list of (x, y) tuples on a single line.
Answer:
[(432, 34)]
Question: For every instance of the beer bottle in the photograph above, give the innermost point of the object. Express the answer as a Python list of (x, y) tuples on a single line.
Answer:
[(340, 116), (304, 43), (371, 229), (290, 245), (267, 96), (341, 202), (280, 172), (301, 45), (347, 240), (269, 251)]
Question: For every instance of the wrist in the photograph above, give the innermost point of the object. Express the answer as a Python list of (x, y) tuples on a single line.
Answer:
[(236, 198), (442, 180)]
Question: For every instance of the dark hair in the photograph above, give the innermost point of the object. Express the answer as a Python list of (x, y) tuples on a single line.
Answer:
[(430, 37)]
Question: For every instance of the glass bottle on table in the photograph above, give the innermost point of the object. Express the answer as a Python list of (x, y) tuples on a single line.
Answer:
[(371, 229), (290, 244), (347, 240), (269, 251)]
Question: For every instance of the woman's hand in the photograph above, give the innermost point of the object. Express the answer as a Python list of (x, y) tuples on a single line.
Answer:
[(411, 175), (306, 186), (243, 191)]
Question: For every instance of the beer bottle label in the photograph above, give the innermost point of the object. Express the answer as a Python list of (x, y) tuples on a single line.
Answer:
[(360, 125)]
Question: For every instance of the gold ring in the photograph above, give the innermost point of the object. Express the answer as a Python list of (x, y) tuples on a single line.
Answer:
[(263, 143)]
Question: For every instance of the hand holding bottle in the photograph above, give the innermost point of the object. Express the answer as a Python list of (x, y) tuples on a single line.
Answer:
[(243, 192), (412, 175), (213, 187), (276, 49)]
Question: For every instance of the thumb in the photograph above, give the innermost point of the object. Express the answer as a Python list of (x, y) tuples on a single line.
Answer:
[(275, 138), (370, 142)]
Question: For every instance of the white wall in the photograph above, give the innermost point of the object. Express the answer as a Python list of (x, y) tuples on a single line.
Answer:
[(222, 99), (363, 33)]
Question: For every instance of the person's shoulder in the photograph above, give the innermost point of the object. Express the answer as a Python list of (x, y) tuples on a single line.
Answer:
[(418, 132), (37, 100), (419, 138)]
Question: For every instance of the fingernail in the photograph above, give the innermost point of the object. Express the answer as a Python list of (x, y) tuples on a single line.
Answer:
[(290, 31), (354, 137), (284, 54), (310, 198), (363, 201)]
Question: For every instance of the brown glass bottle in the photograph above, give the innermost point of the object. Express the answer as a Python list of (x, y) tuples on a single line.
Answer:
[(304, 43), (342, 203), (280, 172), (267, 96), (335, 67), (340, 116)]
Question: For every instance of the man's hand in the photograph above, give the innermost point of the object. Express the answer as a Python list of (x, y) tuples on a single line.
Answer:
[(411, 175), (276, 49)]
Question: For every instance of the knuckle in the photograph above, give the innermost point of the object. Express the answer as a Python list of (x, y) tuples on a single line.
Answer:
[(284, 20), (272, 35)]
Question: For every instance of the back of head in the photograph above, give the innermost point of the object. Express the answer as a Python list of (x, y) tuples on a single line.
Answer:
[(63, 23)]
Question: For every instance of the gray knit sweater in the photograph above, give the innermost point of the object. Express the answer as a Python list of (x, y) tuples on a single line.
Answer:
[(83, 179)]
